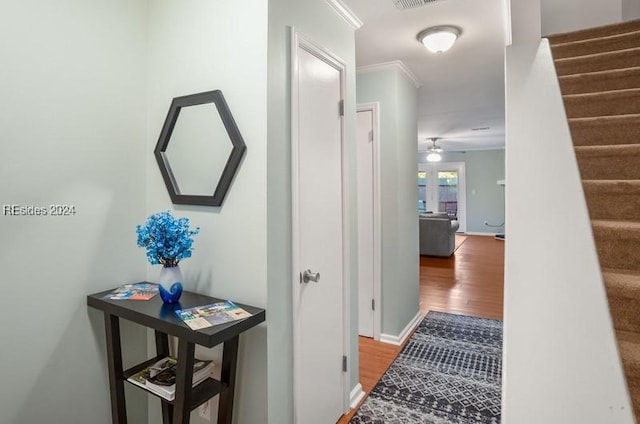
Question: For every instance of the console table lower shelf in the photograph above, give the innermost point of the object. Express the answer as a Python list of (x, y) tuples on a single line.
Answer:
[(162, 319), (204, 391)]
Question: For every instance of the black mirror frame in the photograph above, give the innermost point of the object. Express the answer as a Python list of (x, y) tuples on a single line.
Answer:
[(237, 151)]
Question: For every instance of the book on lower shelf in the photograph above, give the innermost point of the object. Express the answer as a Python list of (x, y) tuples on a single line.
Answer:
[(160, 377)]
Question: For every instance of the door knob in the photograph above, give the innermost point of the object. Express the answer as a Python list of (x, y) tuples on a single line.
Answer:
[(307, 276)]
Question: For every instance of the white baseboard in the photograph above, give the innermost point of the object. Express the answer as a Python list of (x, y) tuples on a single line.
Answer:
[(356, 396), (399, 339), (470, 233)]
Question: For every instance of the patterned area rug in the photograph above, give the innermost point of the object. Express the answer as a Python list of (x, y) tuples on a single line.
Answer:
[(449, 372)]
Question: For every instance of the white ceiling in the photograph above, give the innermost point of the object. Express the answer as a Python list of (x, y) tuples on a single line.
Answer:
[(463, 88)]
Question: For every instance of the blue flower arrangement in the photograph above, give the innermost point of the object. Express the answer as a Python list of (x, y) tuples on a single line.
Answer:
[(167, 239)]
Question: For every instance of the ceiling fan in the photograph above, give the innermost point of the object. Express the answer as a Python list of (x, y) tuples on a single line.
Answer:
[(433, 151)]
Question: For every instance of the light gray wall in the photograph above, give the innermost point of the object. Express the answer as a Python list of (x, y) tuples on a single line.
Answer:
[(72, 116), (195, 46), (485, 198), (88, 88), (316, 20), (398, 167)]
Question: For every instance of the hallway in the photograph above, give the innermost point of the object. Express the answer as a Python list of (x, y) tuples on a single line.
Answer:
[(470, 282)]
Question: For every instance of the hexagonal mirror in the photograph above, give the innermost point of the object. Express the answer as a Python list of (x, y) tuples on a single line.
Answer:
[(199, 149)]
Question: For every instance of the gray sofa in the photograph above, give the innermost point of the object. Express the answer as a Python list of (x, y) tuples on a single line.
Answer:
[(437, 234)]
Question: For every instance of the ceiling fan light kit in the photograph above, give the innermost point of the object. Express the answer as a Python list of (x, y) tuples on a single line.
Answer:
[(434, 157), (439, 39), (433, 151)]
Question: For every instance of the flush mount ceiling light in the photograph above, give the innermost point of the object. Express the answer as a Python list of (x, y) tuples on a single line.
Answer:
[(433, 151), (439, 39)]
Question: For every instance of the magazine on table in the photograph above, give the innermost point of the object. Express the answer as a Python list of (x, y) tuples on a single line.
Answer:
[(160, 377), (209, 315), (137, 291)]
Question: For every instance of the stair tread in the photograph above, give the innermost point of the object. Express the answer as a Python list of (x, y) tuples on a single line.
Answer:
[(609, 93), (601, 120), (611, 42), (613, 73), (602, 55), (622, 282), (615, 224), (594, 33), (621, 35), (629, 187), (600, 61), (608, 150)]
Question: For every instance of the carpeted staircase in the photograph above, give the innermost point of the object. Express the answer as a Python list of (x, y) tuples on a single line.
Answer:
[(599, 74)]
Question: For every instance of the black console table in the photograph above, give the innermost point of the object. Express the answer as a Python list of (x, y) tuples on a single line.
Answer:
[(161, 318)]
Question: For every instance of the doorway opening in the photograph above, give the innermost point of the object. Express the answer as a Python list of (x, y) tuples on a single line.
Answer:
[(369, 231), (441, 188)]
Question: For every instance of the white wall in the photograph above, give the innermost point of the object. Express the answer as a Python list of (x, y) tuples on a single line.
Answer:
[(561, 363), (522, 21), (398, 193), (630, 9), (72, 117), (570, 15), (318, 21), (527, 20), (195, 46)]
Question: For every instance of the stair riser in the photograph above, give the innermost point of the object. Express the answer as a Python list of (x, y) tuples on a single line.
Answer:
[(605, 132), (604, 62), (618, 250), (615, 167), (613, 206), (593, 83), (624, 313), (607, 104), (590, 33), (633, 384), (629, 346), (609, 44)]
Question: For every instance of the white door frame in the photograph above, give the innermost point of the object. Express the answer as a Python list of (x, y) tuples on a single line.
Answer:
[(462, 183), (377, 213), (300, 41)]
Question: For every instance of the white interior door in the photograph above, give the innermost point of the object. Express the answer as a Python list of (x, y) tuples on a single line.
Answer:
[(368, 221), (318, 306)]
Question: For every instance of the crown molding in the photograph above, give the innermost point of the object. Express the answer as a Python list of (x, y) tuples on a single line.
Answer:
[(395, 65), (346, 13)]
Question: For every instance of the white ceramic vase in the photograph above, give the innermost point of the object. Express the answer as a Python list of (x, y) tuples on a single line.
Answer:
[(170, 275), (170, 282)]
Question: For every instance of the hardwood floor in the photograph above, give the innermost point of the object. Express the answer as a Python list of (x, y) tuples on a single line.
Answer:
[(470, 282)]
